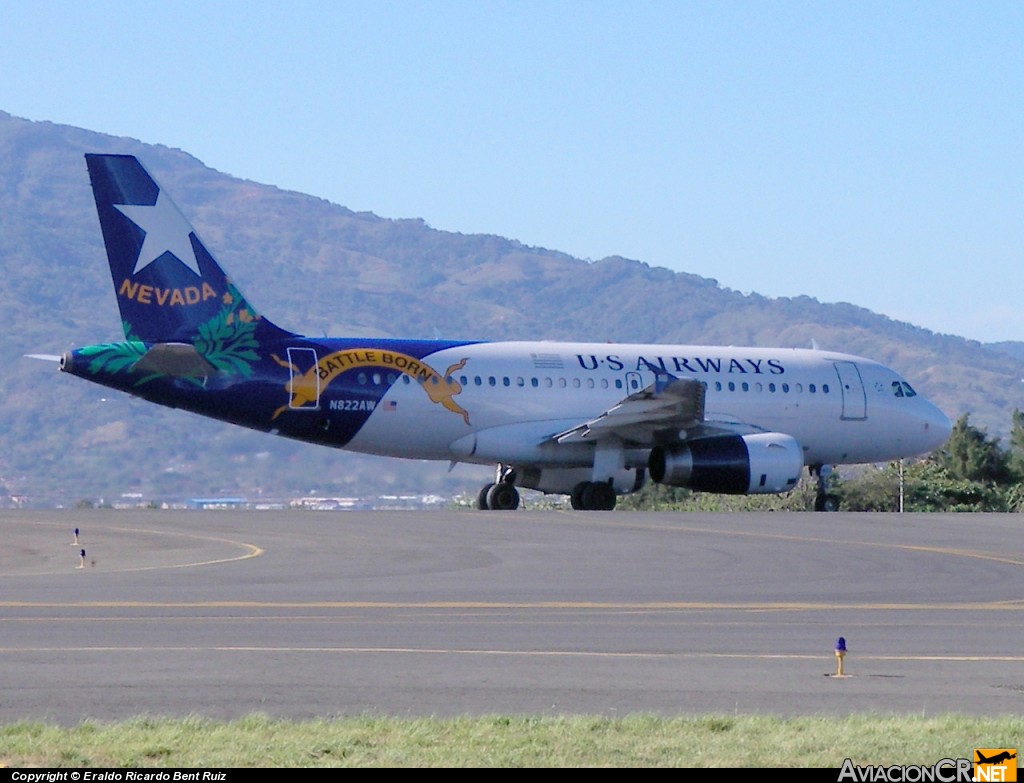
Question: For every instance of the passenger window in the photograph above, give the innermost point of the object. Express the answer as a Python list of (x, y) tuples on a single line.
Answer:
[(492, 381), (718, 386), (361, 378), (758, 387), (478, 380), (771, 388), (507, 381), (799, 388), (406, 380), (534, 382), (520, 381), (590, 383), (812, 388), (785, 388), (548, 383), (824, 388), (561, 383), (745, 386), (732, 386), (576, 383), (618, 383), (604, 383), (463, 380)]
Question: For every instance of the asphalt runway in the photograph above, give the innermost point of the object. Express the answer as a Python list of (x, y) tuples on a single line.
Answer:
[(321, 614)]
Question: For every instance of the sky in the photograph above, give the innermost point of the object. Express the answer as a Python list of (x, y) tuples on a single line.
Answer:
[(868, 152)]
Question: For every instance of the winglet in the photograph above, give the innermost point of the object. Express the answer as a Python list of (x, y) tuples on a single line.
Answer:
[(662, 377)]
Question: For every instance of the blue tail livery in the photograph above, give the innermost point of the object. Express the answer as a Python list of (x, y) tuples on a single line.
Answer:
[(589, 420)]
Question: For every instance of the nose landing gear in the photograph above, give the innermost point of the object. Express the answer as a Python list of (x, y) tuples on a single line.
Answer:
[(823, 499)]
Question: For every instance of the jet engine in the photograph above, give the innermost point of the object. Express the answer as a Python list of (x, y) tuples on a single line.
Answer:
[(731, 464)]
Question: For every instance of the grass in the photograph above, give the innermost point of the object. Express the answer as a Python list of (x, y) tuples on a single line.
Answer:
[(579, 741)]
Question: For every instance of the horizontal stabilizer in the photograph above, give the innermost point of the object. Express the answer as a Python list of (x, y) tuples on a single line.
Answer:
[(178, 360)]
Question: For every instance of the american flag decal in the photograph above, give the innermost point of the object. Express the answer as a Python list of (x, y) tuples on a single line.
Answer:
[(390, 405), (547, 361)]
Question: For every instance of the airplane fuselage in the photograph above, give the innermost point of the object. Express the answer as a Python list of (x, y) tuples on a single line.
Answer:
[(486, 402)]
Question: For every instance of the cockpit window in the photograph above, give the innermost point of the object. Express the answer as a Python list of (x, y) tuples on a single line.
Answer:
[(903, 389)]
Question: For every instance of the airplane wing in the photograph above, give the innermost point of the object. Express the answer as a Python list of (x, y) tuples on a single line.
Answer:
[(653, 415)]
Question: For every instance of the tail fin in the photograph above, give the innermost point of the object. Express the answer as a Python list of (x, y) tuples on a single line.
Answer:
[(169, 288)]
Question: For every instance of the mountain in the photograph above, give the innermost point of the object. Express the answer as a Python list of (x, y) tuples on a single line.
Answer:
[(317, 267), (1013, 348)]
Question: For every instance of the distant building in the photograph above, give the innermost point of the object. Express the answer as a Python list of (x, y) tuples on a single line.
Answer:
[(331, 504), (207, 504)]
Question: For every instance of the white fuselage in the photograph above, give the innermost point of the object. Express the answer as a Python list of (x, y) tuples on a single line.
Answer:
[(517, 395)]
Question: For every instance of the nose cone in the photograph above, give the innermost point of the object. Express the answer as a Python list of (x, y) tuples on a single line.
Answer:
[(935, 427)]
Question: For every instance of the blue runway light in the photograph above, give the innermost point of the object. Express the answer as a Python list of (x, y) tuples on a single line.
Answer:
[(840, 651)]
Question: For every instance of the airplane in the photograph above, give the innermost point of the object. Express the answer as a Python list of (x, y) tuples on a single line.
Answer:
[(996, 759), (583, 419)]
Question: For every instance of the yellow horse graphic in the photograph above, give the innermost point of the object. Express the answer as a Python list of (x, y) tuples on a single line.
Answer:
[(305, 388)]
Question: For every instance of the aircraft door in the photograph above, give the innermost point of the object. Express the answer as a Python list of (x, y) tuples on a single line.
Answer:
[(633, 382), (304, 384), (855, 402)]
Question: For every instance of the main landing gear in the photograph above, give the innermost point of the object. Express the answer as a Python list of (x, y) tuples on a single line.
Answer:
[(823, 499), (500, 495), (592, 496)]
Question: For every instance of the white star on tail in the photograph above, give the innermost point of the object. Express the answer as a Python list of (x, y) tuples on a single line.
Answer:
[(166, 230)]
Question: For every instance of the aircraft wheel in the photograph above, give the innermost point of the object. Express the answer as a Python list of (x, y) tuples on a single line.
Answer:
[(481, 498), (826, 503), (502, 497), (598, 496), (576, 496)]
